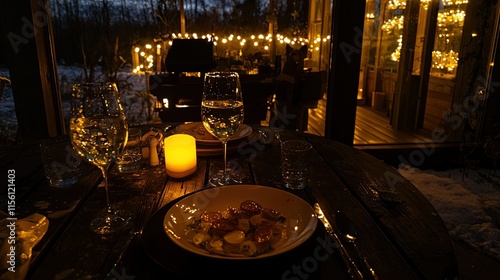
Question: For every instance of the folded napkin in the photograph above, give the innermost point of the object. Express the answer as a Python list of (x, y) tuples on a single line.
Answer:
[(17, 239)]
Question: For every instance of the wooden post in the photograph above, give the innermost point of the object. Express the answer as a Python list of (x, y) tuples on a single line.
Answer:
[(405, 99), (475, 71), (345, 52), (29, 45), (183, 17), (273, 26), (425, 67), (492, 85), (378, 56)]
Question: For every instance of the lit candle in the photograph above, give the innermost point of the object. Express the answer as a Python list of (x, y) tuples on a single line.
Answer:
[(180, 155)]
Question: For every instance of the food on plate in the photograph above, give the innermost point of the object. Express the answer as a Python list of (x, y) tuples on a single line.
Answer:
[(247, 230)]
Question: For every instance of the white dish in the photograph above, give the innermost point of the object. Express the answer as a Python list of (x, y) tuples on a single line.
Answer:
[(301, 220)]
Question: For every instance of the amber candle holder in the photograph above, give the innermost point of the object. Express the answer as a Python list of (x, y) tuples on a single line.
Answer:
[(180, 155)]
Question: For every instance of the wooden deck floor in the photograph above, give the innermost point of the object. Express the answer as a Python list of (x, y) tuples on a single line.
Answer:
[(371, 128)]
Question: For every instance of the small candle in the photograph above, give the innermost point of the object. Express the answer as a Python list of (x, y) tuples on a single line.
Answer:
[(180, 155)]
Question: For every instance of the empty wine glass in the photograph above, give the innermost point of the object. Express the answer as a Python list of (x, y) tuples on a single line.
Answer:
[(222, 115), (98, 131)]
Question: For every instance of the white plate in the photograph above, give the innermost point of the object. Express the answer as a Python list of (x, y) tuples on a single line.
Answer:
[(301, 220), (203, 137)]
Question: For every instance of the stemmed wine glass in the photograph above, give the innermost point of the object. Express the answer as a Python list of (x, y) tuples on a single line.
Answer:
[(222, 114), (99, 132)]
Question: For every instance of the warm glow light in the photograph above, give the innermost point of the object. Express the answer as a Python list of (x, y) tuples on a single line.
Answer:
[(261, 42), (450, 16), (445, 60), (180, 155)]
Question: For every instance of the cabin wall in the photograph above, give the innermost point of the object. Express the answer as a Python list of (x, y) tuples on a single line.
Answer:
[(439, 100)]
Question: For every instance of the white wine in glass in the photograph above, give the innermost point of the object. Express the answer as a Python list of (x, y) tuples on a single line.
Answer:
[(222, 115), (98, 132)]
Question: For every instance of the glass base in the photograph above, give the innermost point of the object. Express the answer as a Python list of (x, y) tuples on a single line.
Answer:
[(220, 180), (111, 222)]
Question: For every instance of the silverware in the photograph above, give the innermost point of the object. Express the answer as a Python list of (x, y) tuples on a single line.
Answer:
[(349, 234), (352, 267)]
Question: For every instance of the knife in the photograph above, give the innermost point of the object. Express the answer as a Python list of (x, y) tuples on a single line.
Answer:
[(349, 234), (352, 267)]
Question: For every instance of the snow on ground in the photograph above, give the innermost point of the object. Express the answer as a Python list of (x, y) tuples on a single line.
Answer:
[(132, 88), (469, 207)]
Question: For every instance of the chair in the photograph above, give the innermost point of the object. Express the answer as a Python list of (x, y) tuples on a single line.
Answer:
[(298, 95), (190, 55), (310, 89), (184, 97)]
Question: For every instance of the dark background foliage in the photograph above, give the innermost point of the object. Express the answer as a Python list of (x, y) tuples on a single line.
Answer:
[(102, 32)]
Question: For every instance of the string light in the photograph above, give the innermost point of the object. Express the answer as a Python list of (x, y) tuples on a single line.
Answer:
[(253, 43), (397, 5), (445, 60), (393, 24), (144, 58), (451, 18)]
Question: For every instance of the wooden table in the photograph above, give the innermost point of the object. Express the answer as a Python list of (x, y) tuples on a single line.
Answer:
[(399, 232)]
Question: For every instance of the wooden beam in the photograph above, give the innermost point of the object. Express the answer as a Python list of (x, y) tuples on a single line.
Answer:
[(491, 123), (405, 99), (28, 40), (425, 67), (183, 17), (477, 47), (345, 59)]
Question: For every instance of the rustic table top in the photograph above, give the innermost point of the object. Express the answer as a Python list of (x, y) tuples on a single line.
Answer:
[(400, 234)]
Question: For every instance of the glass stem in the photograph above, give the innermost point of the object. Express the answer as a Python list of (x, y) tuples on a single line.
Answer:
[(104, 171), (224, 143)]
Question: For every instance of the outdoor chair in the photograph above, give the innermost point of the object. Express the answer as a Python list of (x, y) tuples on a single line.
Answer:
[(298, 95), (184, 97)]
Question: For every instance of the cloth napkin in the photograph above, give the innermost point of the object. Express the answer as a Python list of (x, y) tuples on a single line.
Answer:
[(17, 239)]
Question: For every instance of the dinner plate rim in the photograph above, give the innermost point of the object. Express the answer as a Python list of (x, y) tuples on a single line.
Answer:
[(310, 228)]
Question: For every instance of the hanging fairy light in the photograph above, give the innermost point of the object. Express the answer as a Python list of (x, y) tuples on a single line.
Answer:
[(397, 53), (397, 5), (144, 57), (394, 24), (452, 17), (447, 61), (401, 4), (260, 41)]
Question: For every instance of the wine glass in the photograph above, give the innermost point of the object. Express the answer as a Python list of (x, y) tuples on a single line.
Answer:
[(222, 115), (99, 132)]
